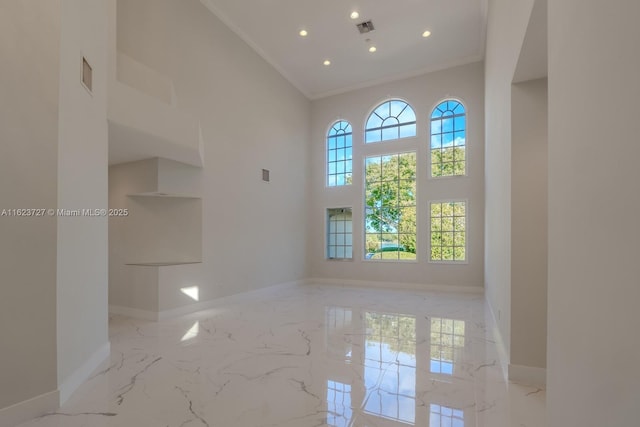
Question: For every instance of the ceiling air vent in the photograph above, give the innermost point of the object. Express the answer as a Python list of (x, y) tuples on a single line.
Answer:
[(365, 27)]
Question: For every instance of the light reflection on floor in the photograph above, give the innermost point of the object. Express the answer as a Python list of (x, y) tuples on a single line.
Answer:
[(307, 356)]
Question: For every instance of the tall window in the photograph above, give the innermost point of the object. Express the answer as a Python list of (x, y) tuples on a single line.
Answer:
[(339, 154), (390, 207), (339, 233), (448, 139), (448, 231), (392, 119)]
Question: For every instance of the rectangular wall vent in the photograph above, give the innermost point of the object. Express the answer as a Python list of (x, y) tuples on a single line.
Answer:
[(87, 74), (265, 175), (365, 27)]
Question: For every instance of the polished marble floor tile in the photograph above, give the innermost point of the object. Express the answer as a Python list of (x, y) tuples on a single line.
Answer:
[(304, 356)]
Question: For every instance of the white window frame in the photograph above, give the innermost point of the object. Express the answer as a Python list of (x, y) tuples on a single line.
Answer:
[(466, 232), (327, 156), (327, 235), (375, 153), (466, 142)]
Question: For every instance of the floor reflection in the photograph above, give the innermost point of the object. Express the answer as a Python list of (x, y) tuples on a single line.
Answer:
[(339, 329), (383, 348), (390, 366), (447, 338), (339, 411), (443, 416)]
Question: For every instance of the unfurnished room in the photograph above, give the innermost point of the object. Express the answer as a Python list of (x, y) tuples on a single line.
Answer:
[(288, 213)]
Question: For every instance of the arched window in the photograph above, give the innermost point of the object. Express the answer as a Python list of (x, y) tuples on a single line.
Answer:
[(448, 139), (392, 119), (339, 154)]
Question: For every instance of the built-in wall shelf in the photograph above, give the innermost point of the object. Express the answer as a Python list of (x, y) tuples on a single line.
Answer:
[(160, 194), (162, 264), (158, 244)]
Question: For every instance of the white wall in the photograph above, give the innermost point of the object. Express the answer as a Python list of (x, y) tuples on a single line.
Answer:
[(54, 156), (82, 183), (594, 206), (506, 28), (254, 233), (529, 226), (29, 47), (423, 93)]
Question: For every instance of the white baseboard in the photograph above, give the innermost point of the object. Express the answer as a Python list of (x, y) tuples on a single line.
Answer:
[(75, 380), (503, 353), (395, 285), (528, 375), (28, 409), (525, 375), (133, 312)]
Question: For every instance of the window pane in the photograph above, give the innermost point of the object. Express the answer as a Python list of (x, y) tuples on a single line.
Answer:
[(436, 141), (373, 136), (447, 125), (407, 131), (389, 133), (447, 140), (408, 115), (374, 121), (436, 127)]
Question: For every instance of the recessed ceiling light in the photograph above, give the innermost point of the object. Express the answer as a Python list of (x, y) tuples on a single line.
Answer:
[(354, 15), (327, 62), (372, 49), (303, 33), (426, 34)]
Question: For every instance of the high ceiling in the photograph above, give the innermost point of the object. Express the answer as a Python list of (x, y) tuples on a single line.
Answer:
[(272, 28)]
